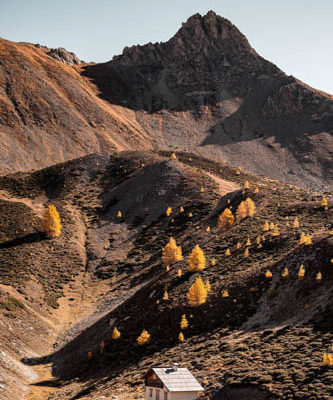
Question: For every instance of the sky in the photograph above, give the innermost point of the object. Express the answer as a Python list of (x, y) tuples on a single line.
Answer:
[(296, 35)]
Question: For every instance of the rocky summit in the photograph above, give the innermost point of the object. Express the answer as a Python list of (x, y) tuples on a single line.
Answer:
[(206, 90)]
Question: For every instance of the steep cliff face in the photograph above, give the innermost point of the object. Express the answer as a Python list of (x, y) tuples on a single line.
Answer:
[(206, 90)]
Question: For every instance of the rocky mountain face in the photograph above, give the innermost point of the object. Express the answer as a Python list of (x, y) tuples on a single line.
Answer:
[(61, 54), (205, 90)]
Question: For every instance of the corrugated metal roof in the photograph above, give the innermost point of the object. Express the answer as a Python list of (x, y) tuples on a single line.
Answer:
[(180, 380)]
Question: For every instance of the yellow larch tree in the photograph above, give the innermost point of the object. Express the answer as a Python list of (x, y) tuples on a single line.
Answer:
[(144, 338), (226, 219), (228, 252), (285, 273), (168, 211), (197, 293), (179, 272), (51, 224), (241, 211), (183, 322), (246, 253), (171, 253), (296, 223), (250, 207), (268, 274), (324, 202), (266, 226), (246, 185), (196, 260), (207, 284), (181, 337), (173, 156), (225, 293), (301, 273), (115, 334), (319, 277), (119, 214)]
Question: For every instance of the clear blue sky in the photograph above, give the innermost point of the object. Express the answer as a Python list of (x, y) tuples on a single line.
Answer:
[(294, 34)]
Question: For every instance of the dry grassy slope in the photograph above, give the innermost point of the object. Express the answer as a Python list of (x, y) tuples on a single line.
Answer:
[(47, 105), (264, 342)]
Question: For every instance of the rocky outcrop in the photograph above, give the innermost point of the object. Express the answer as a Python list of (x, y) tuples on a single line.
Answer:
[(64, 56)]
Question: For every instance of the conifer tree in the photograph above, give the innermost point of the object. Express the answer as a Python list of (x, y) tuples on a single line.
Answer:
[(325, 359), (250, 207), (171, 253), (197, 293), (173, 156), (241, 211), (51, 225), (179, 272), (190, 214), (119, 214), (226, 219), (238, 245), (246, 185), (248, 242), (296, 223), (115, 334), (324, 202), (181, 209), (266, 226), (256, 190), (183, 322), (225, 293), (165, 295), (228, 252), (246, 253), (207, 284), (319, 277), (271, 226), (181, 337), (144, 338), (168, 211), (268, 274), (208, 229), (301, 273), (196, 260), (285, 274), (213, 262), (276, 231)]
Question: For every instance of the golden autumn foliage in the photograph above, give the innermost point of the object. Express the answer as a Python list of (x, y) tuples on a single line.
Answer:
[(144, 338), (165, 295), (213, 262), (305, 239), (246, 185), (226, 219), (115, 334), (208, 229), (256, 190), (248, 242), (183, 322), (207, 284), (190, 215), (225, 293), (324, 202), (271, 226), (171, 253), (285, 274), (173, 156), (228, 252), (268, 274), (296, 223), (181, 337), (197, 293), (250, 207), (241, 211), (181, 209), (51, 224), (276, 231), (266, 226), (246, 253), (179, 273), (319, 277), (119, 214), (301, 273), (168, 211), (238, 245), (196, 260)]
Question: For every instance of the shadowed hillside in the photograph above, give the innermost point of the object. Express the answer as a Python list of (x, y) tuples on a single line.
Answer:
[(265, 339)]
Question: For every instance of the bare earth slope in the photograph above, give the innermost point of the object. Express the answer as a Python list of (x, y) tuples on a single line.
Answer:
[(264, 341), (49, 113)]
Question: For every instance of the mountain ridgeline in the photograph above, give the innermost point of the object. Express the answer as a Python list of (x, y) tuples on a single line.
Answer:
[(206, 90)]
